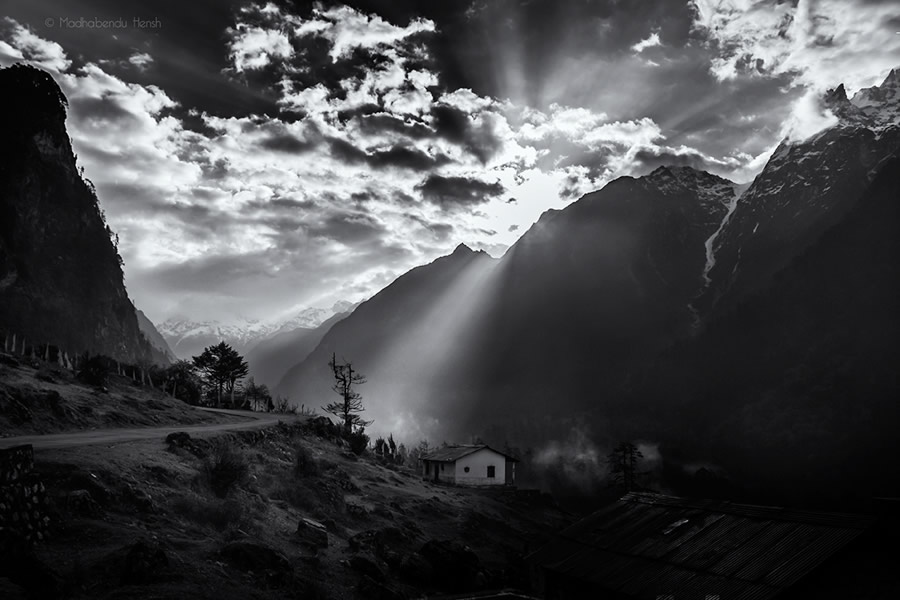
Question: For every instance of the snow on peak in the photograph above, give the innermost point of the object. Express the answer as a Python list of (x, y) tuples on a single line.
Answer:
[(710, 188), (880, 103)]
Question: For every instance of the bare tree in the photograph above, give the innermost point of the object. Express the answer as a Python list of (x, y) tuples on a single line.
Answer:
[(350, 405)]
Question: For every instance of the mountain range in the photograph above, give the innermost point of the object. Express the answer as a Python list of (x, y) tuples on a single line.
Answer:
[(752, 326), (188, 338), (587, 319)]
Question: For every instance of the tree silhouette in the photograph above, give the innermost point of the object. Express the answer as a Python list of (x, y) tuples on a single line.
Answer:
[(257, 395), (181, 381), (221, 368), (623, 465), (350, 405)]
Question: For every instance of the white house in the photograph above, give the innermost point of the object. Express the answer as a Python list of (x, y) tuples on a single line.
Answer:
[(469, 465)]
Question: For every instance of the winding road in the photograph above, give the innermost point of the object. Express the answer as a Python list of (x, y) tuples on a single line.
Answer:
[(71, 439)]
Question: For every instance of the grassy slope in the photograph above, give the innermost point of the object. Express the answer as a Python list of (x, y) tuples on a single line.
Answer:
[(149, 491), (47, 399)]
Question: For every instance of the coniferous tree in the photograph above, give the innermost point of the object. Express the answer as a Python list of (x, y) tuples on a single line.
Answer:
[(221, 367)]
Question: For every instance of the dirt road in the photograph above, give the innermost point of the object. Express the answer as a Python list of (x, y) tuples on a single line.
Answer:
[(54, 441)]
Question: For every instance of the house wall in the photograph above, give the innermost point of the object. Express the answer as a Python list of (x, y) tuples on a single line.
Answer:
[(447, 475), (478, 462)]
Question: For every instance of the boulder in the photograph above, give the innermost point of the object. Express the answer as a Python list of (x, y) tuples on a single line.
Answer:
[(138, 498), (82, 503), (312, 533), (356, 510)]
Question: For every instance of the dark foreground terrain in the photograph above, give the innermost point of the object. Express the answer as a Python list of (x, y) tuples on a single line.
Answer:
[(282, 511)]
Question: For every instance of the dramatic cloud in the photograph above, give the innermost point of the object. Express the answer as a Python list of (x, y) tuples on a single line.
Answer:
[(648, 42), (456, 192), (818, 42), (260, 158)]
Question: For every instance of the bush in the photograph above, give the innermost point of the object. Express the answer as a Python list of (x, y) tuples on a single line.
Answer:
[(224, 468), (304, 463), (358, 441), (220, 514), (94, 371)]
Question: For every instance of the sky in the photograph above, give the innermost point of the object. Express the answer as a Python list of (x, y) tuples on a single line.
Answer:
[(258, 158)]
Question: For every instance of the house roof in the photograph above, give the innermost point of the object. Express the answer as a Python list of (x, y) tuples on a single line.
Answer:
[(454, 453), (645, 545)]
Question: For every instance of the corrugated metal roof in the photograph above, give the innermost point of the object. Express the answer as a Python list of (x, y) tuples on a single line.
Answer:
[(452, 453), (649, 545)]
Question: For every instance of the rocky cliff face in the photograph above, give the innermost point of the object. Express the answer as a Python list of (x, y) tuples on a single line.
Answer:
[(807, 187), (61, 280)]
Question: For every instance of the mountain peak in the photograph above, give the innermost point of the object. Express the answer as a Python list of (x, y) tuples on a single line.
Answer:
[(836, 95), (462, 250), (876, 107)]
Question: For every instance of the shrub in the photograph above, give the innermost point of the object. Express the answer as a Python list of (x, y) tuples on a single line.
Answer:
[(94, 371), (224, 468), (220, 514), (358, 441), (304, 463)]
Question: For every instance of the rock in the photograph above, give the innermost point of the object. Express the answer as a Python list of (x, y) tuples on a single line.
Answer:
[(331, 525), (312, 533), (356, 510), (180, 439), (79, 480), (139, 499), (143, 562), (454, 564), (257, 558), (184, 441), (81, 502), (367, 567)]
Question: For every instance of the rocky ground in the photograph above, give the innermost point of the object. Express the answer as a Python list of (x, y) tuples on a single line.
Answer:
[(282, 512)]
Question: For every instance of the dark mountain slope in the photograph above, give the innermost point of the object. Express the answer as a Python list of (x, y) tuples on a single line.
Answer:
[(806, 187), (796, 388), (407, 339), (468, 341), (60, 275)]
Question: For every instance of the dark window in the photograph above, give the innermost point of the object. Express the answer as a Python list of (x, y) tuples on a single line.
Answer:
[(466, 469), (442, 467), (427, 467), (491, 471)]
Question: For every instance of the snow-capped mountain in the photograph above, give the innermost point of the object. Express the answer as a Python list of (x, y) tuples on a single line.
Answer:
[(804, 189), (881, 103), (188, 338)]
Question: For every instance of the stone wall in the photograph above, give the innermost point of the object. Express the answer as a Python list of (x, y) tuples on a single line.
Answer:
[(23, 498)]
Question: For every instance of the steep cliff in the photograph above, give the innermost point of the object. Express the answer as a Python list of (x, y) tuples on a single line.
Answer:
[(61, 280)]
